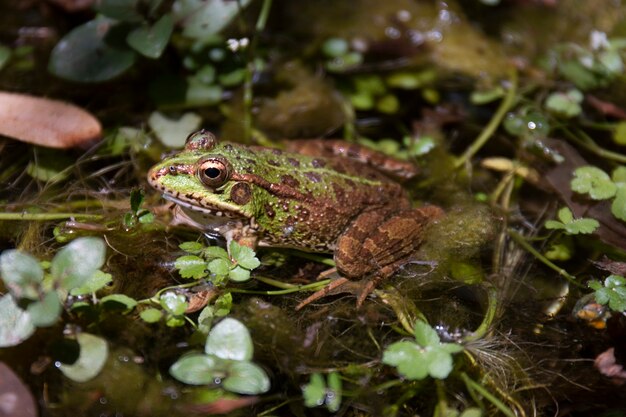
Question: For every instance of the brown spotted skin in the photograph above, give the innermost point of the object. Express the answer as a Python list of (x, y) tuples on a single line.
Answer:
[(320, 196)]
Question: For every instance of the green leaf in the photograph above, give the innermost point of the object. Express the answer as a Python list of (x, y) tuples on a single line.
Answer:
[(172, 133), (612, 293), (93, 355), (565, 104), (246, 378), (88, 53), (75, 264), (582, 226), (554, 225), (619, 174), (191, 247), (472, 412), (97, 281), (230, 339), (173, 303), (594, 181), (407, 357), (220, 267), (191, 266), (16, 325), (196, 369), (425, 335), (232, 78), (198, 93), (150, 41), (21, 273), (619, 134), (151, 315), (216, 252), (239, 274), (223, 305), (618, 206), (335, 47), (124, 10), (439, 363), (244, 256), (136, 198), (565, 215), (333, 395), (46, 312), (314, 392), (126, 302), (205, 319), (203, 19)]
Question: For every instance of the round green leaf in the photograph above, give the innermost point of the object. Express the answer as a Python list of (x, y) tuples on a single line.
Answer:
[(230, 339), (219, 267), (618, 206), (203, 19), (439, 363), (97, 281), (425, 335), (20, 271), (173, 303), (314, 392), (196, 369), (592, 180), (75, 264), (151, 315), (150, 41), (191, 266), (172, 133), (333, 396), (246, 378), (239, 274), (93, 355), (125, 301), (408, 358), (86, 55), (45, 312), (15, 326)]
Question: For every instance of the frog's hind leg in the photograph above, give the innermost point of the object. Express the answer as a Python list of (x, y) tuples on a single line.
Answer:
[(375, 246)]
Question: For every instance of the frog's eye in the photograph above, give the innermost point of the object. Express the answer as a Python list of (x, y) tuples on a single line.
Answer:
[(214, 172)]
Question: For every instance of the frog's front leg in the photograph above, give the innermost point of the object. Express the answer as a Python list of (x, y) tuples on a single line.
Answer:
[(376, 245)]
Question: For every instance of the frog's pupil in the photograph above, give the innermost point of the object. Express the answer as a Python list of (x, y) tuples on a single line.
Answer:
[(212, 172)]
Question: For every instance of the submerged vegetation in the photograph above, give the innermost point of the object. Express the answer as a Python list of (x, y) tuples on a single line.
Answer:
[(513, 112)]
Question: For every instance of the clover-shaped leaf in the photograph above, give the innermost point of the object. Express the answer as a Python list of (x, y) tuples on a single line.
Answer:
[(593, 181), (191, 266), (230, 339), (570, 225), (76, 263), (611, 292), (243, 255)]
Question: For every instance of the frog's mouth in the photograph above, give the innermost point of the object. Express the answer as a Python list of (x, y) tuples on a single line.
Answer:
[(205, 209)]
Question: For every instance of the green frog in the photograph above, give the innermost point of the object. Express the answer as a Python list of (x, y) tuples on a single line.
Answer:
[(326, 196)]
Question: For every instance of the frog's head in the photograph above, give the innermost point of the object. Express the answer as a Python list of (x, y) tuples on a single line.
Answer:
[(201, 179)]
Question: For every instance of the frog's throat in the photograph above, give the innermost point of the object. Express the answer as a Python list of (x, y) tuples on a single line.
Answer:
[(207, 210)]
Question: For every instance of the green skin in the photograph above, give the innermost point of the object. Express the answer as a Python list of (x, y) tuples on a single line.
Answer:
[(319, 196)]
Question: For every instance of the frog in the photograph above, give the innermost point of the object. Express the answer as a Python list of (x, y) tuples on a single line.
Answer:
[(313, 195)]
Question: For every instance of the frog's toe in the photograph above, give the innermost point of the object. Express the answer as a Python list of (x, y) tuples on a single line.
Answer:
[(323, 292)]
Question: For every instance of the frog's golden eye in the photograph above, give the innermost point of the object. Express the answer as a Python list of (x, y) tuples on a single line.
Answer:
[(214, 171)]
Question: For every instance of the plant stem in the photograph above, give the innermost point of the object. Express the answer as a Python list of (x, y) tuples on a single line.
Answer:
[(475, 386), (493, 124), (313, 287), (519, 239), (584, 140), (492, 307), (48, 216)]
